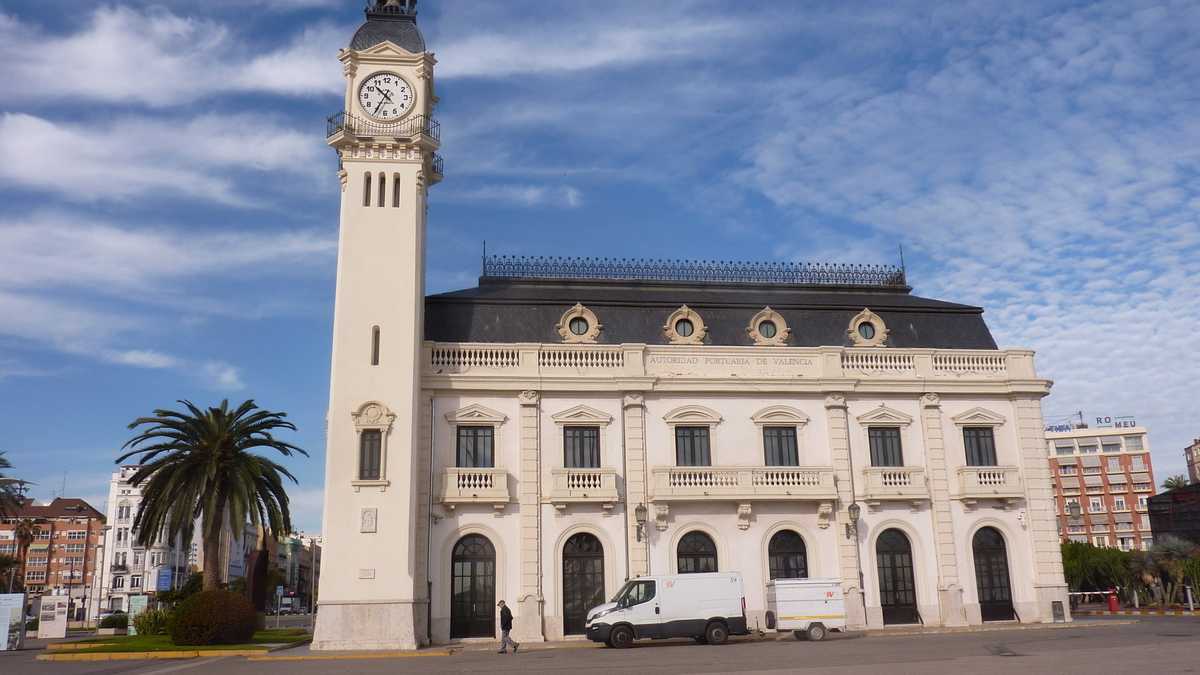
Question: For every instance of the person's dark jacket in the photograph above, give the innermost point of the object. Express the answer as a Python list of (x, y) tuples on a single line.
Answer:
[(505, 618)]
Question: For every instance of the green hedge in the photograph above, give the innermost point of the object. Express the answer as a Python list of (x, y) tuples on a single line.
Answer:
[(152, 622), (213, 618), (115, 621)]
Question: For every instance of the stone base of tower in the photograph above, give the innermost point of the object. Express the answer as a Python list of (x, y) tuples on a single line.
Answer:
[(1047, 596), (370, 625)]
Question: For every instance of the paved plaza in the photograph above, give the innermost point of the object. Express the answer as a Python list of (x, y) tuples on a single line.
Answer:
[(1158, 645)]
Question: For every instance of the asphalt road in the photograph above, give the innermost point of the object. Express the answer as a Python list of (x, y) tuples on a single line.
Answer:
[(1157, 645)]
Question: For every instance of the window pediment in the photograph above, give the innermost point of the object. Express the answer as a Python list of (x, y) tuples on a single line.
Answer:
[(780, 414), (373, 415), (884, 416), (582, 414), (979, 417), (692, 414), (476, 414)]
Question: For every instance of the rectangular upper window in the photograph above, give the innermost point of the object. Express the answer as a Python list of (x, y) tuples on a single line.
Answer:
[(691, 446), (581, 447), (370, 442), (476, 448), (981, 446), (885, 446), (779, 445)]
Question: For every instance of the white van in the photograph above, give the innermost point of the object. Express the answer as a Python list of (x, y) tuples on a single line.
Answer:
[(808, 607), (706, 607)]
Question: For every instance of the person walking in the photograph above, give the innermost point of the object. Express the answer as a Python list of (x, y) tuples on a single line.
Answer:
[(505, 627)]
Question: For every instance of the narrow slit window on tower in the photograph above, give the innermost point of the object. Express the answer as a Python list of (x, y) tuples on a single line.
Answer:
[(367, 189), (395, 190), (382, 188), (375, 345)]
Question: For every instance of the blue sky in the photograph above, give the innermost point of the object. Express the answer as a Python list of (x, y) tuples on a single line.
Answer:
[(168, 209)]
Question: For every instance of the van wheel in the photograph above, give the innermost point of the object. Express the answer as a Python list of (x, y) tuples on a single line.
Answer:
[(716, 633), (621, 637), (817, 632)]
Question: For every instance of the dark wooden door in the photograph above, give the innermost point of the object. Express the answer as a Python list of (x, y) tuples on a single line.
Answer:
[(473, 591), (991, 576), (583, 581), (897, 586)]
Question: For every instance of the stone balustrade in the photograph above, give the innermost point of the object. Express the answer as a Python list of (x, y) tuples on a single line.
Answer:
[(894, 483), (795, 364), (742, 483), (584, 486), (475, 486), (989, 482)]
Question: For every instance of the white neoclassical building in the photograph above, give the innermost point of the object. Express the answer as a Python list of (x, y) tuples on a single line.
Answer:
[(570, 424)]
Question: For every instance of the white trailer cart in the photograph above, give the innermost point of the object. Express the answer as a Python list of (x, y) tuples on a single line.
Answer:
[(810, 608)]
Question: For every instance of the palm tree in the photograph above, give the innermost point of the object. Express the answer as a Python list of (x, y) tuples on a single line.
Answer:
[(10, 496), (8, 566), (1176, 481), (198, 464), (25, 532)]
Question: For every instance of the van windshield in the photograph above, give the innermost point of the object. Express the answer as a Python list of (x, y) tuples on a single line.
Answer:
[(634, 593)]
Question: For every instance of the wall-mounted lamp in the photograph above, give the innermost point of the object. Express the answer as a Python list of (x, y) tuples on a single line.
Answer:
[(640, 513), (854, 511)]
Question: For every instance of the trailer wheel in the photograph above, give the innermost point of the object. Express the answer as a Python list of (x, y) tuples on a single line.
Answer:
[(817, 632), (716, 633), (621, 637)]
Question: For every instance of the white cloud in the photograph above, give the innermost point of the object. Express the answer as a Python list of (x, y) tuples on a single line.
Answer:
[(157, 58), (143, 358), (66, 249), (1039, 169), (522, 195), (138, 157), (223, 376)]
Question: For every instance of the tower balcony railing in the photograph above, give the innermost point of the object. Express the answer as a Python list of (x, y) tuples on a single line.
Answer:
[(407, 128)]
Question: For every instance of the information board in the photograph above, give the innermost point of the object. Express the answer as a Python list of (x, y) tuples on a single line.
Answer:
[(12, 621), (52, 617), (137, 605)]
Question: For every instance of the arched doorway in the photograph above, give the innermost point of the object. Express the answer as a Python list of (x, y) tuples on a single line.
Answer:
[(787, 555), (582, 580), (991, 575), (473, 593), (897, 586), (696, 553)]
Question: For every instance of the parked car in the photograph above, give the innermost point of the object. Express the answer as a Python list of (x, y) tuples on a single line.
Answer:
[(810, 608), (706, 607)]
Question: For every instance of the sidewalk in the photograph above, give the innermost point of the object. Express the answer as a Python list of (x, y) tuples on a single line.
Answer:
[(305, 652)]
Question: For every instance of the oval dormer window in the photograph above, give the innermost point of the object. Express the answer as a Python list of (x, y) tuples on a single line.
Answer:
[(866, 330), (579, 325), (767, 329), (684, 327)]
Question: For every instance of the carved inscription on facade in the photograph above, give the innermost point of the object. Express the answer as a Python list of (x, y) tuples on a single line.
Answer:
[(730, 365)]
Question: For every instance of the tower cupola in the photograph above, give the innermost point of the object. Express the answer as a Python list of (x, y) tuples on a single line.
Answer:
[(390, 20)]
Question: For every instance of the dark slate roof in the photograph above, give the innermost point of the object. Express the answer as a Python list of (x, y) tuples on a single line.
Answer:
[(395, 23), (527, 310)]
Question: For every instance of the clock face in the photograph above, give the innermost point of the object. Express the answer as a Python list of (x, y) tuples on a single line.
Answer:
[(386, 96)]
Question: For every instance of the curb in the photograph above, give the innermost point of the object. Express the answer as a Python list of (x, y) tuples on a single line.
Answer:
[(73, 646), (990, 629), (137, 656), (1137, 612), (354, 657)]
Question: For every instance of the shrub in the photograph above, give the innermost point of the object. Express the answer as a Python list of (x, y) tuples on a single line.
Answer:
[(213, 618), (115, 621), (152, 622), (32, 624)]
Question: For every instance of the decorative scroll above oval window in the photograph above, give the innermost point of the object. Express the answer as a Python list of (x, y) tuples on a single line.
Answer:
[(685, 327), (579, 325), (768, 328), (867, 330)]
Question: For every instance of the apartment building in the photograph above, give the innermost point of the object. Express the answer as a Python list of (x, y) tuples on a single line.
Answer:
[(1102, 479), (1192, 455), (62, 558)]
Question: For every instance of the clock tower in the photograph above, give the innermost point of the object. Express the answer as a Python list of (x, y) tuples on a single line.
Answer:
[(373, 592)]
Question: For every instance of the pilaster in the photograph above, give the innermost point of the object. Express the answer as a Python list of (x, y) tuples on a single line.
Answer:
[(1048, 581), (528, 620), (421, 486), (950, 598), (633, 410), (847, 536)]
